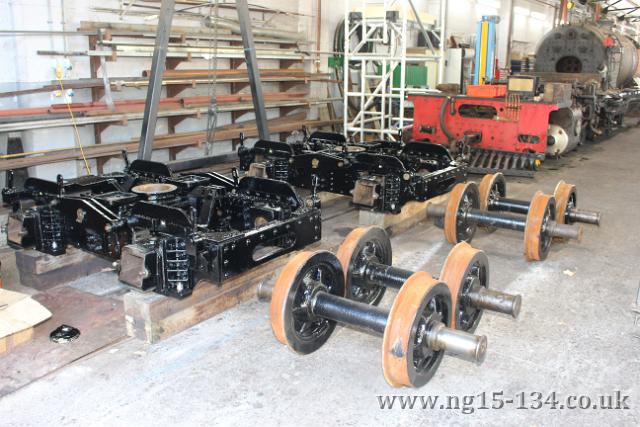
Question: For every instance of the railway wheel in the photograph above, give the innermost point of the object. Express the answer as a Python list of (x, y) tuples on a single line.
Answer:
[(292, 320)]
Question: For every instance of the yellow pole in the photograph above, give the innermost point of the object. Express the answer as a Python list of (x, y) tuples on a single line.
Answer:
[(484, 43)]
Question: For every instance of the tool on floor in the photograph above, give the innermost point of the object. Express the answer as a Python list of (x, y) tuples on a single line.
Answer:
[(493, 197), (365, 256), (462, 215), (308, 300), (64, 334)]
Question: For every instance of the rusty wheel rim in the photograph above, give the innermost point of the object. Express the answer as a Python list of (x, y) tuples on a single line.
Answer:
[(542, 210), (362, 245), (291, 320), (492, 188), (406, 360), (566, 196), (466, 269), (463, 197)]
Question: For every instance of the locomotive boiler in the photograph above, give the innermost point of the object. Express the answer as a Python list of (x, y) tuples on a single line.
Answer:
[(583, 88), (601, 63), (593, 52)]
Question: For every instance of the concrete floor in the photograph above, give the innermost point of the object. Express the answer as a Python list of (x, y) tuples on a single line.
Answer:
[(574, 337)]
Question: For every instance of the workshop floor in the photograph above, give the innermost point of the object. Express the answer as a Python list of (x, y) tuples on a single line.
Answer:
[(575, 336)]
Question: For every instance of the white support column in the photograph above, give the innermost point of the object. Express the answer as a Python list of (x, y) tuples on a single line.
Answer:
[(443, 39)]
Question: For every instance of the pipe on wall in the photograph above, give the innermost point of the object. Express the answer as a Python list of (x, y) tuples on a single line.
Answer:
[(443, 39)]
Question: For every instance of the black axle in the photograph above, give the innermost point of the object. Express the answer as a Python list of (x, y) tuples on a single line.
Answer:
[(348, 312), (507, 221), (437, 336), (493, 197), (522, 207), (509, 205), (479, 297), (321, 304)]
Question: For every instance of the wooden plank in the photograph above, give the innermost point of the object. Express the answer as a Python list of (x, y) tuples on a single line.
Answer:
[(329, 199), (411, 214), (42, 271), (41, 263)]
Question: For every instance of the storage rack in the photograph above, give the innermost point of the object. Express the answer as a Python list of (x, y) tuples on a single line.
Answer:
[(109, 42)]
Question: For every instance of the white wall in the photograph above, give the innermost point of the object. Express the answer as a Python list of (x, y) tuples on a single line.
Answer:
[(22, 67), (531, 27), (463, 16)]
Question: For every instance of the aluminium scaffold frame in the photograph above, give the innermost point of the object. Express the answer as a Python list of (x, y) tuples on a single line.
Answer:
[(381, 109)]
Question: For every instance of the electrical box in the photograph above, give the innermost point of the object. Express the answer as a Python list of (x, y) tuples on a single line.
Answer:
[(336, 61), (523, 86)]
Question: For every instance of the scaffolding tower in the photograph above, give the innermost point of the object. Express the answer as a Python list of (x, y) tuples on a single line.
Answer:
[(375, 64)]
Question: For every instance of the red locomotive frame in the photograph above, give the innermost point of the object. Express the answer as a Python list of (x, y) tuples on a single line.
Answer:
[(503, 125)]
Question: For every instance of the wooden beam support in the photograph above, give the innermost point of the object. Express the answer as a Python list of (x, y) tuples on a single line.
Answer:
[(288, 63), (175, 90), (284, 111), (286, 86)]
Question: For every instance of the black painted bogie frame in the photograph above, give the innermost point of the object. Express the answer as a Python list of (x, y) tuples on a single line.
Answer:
[(168, 231), (380, 175)]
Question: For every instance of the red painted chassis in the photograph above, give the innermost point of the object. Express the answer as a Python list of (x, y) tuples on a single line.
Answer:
[(517, 127)]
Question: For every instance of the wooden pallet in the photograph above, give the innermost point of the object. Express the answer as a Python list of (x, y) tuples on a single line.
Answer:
[(14, 340)]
